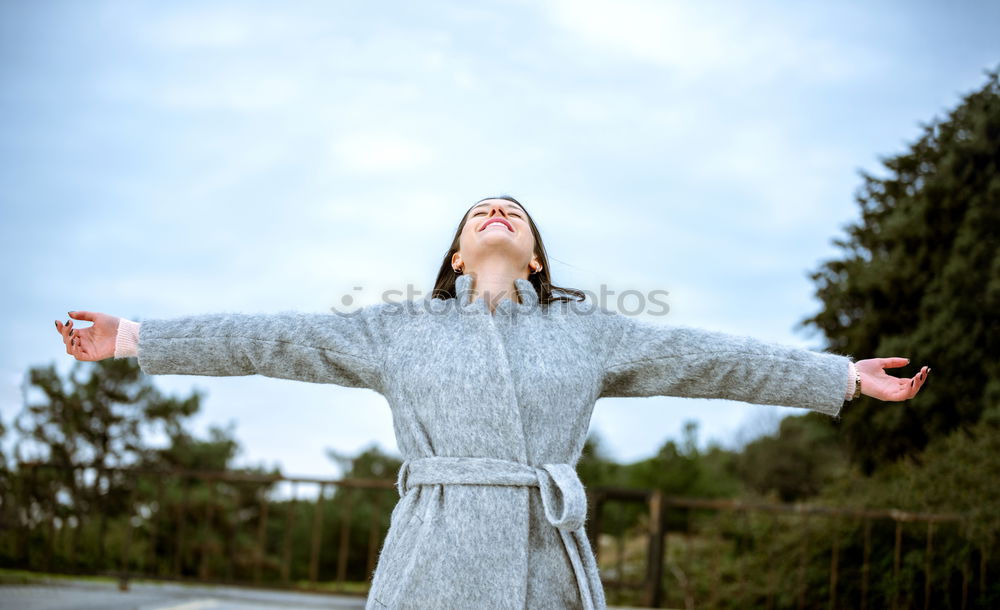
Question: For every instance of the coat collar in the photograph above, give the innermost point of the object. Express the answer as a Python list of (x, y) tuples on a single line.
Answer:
[(525, 291)]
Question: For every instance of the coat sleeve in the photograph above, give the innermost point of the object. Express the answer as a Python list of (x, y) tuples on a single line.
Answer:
[(338, 348), (647, 359)]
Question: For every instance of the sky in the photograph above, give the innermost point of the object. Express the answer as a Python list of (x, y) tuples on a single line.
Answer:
[(164, 159)]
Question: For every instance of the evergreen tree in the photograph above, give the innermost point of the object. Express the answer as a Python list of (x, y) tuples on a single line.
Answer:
[(75, 435), (796, 462), (96, 418), (361, 509), (920, 277)]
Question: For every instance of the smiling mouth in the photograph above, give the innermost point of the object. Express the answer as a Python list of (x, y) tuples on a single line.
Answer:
[(497, 221)]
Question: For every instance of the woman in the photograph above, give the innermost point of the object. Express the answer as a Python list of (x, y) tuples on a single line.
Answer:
[(491, 384)]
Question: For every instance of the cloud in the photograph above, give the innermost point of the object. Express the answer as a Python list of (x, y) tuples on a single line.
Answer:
[(379, 153), (703, 41), (215, 27)]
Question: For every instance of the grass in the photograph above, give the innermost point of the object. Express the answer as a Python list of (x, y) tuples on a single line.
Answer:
[(24, 577)]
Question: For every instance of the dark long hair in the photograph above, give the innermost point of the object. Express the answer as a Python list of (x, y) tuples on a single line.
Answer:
[(444, 285)]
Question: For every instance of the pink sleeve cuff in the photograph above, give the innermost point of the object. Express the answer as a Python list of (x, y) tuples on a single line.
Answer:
[(127, 339), (851, 379)]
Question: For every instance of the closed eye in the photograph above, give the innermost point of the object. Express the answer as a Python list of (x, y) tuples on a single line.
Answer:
[(514, 214)]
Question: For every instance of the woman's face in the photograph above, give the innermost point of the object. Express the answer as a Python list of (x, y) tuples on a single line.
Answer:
[(496, 226)]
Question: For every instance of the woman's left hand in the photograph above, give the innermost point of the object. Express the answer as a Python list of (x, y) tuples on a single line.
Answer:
[(875, 382)]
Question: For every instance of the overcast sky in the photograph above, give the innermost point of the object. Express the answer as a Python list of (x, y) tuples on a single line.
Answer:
[(162, 159)]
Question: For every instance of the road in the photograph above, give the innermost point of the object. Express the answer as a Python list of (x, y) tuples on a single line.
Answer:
[(68, 594), (88, 595)]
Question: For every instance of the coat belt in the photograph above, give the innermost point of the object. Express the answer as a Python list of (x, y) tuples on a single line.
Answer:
[(563, 499)]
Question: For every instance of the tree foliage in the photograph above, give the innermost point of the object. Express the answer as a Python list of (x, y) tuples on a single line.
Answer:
[(919, 277), (84, 453), (795, 463), (99, 416)]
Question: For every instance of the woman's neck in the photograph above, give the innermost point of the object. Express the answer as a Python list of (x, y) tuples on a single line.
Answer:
[(495, 282)]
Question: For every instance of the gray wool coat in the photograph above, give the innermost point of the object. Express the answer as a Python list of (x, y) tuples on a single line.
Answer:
[(490, 412)]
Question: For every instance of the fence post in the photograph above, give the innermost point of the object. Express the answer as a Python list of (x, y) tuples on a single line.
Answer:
[(261, 538), (206, 532), (233, 536), (179, 547), (654, 567), (317, 530), (345, 537), (286, 564)]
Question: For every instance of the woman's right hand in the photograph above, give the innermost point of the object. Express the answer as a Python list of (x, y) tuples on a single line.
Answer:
[(95, 342)]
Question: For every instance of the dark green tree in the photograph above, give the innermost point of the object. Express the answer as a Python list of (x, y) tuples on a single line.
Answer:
[(74, 436), (919, 277), (7, 514), (192, 523), (361, 509), (595, 467), (796, 462), (3, 457), (97, 417)]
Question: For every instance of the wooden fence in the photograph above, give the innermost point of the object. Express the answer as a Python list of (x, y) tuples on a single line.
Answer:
[(324, 535)]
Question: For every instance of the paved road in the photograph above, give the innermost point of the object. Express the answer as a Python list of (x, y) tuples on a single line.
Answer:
[(87, 595)]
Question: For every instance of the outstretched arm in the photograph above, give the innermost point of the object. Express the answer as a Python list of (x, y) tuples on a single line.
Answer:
[(343, 349), (649, 359)]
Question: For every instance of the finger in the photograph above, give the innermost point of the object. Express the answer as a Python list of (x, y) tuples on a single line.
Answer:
[(893, 363), (64, 331), (89, 316), (84, 340), (75, 345), (917, 382)]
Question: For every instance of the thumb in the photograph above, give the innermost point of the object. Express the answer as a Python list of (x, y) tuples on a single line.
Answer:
[(89, 316), (893, 363)]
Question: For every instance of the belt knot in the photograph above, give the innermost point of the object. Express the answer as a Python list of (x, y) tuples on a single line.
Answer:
[(563, 496)]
